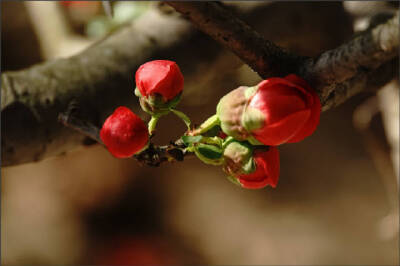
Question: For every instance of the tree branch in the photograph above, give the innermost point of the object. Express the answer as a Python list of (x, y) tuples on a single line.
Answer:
[(336, 74), (216, 20), (365, 52), (101, 78)]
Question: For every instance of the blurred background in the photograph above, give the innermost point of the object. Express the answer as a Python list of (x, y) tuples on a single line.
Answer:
[(336, 201)]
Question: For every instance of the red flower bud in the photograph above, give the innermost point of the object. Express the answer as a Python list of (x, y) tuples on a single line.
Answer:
[(124, 133), (161, 77), (276, 111), (266, 172)]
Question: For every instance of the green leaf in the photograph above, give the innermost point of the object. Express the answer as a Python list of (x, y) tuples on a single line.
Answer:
[(209, 154), (212, 132), (188, 140), (209, 151)]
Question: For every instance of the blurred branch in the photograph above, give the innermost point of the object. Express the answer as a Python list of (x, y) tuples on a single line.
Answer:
[(107, 8), (101, 78), (54, 33), (362, 120)]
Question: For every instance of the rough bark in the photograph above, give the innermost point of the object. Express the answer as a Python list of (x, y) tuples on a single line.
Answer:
[(366, 52), (336, 74), (99, 77), (217, 21)]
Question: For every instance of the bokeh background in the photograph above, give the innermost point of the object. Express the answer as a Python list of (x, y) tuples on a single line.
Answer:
[(336, 201)]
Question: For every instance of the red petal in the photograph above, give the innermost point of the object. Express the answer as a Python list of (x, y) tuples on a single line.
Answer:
[(159, 76), (298, 81), (267, 170), (265, 84), (278, 133), (278, 101), (312, 123), (124, 133)]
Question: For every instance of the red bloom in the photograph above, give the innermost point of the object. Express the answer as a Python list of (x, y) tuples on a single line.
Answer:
[(161, 77), (276, 111), (124, 133), (291, 109), (267, 170)]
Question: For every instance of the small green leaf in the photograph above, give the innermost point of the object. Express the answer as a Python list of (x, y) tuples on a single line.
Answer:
[(188, 140), (209, 154), (209, 151), (212, 132)]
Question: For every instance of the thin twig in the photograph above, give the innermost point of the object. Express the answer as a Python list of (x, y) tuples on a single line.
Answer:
[(152, 156)]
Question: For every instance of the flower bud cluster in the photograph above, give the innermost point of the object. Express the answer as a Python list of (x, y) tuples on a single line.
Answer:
[(243, 135), (159, 87), (256, 120)]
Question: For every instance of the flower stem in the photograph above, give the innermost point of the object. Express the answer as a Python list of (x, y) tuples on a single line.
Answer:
[(182, 116), (207, 125), (152, 124)]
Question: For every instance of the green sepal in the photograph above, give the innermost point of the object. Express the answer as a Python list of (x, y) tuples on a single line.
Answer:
[(241, 148), (253, 141), (252, 119), (234, 180), (227, 140), (250, 91), (155, 104), (158, 102), (249, 166), (238, 157), (209, 154), (213, 140), (137, 92)]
